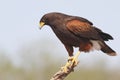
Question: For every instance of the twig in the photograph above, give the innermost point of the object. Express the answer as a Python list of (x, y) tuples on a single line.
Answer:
[(61, 75)]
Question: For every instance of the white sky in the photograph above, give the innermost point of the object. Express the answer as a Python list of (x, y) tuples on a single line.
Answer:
[(19, 20)]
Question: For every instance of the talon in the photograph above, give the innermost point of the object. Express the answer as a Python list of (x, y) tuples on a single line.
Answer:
[(70, 58), (72, 61), (65, 68)]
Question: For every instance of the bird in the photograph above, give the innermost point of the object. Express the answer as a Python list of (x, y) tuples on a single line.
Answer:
[(75, 31)]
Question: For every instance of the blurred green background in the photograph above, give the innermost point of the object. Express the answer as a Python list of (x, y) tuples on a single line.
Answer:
[(41, 64)]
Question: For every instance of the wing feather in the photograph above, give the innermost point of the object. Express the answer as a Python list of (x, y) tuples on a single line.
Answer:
[(82, 29)]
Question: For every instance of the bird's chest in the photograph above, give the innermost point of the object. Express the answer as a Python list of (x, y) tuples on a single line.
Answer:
[(66, 37)]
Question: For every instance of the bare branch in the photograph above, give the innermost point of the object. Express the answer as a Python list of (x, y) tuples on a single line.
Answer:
[(61, 74)]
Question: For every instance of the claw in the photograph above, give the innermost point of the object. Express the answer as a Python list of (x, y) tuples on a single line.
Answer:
[(70, 58), (65, 68), (72, 61)]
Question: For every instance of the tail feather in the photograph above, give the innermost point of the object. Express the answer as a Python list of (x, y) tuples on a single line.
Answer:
[(106, 49)]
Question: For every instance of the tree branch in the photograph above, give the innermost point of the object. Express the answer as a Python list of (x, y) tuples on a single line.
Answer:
[(61, 74)]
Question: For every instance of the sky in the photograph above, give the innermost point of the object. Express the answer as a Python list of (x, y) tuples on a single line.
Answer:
[(19, 20)]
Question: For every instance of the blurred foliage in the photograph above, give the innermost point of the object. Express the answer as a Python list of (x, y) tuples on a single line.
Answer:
[(10, 72), (37, 65)]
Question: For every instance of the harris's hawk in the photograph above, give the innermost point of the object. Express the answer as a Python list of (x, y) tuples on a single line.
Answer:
[(74, 31)]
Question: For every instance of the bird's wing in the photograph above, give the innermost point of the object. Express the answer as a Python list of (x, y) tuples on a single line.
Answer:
[(105, 36), (82, 29)]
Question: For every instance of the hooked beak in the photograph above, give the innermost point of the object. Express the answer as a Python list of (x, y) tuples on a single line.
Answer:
[(41, 24)]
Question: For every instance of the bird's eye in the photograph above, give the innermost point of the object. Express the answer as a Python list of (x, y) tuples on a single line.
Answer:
[(42, 20)]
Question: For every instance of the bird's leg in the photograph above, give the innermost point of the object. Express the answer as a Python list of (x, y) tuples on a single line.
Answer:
[(65, 68), (72, 61), (75, 59)]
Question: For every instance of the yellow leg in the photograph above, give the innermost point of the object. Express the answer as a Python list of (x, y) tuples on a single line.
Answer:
[(65, 68), (72, 61)]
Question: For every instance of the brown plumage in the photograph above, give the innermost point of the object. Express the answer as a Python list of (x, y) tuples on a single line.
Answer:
[(79, 32)]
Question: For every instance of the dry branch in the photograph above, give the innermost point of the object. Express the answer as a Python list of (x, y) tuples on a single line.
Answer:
[(61, 74)]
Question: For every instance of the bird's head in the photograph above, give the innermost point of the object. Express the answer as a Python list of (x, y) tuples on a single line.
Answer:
[(51, 19), (44, 21)]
